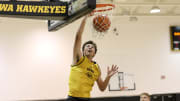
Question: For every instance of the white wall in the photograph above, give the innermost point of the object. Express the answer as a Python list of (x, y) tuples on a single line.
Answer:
[(35, 63)]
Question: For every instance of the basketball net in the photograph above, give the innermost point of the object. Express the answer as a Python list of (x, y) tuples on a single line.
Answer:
[(104, 10)]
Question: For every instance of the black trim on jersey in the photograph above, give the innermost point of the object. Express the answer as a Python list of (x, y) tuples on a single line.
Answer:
[(94, 62)]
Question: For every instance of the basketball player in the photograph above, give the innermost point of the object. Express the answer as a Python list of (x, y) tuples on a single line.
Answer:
[(145, 97), (84, 70)]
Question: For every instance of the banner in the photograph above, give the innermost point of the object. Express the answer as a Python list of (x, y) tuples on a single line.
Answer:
[(34, 8)]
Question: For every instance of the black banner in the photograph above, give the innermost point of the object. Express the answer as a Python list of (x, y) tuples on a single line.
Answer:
[(34, 8)]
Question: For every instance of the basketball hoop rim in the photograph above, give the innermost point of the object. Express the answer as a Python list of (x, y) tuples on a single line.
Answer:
[(103, 10)]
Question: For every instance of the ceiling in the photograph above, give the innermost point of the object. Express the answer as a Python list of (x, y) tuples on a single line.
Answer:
[(143, 7)]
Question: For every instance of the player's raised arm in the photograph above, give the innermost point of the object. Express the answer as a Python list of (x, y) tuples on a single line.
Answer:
[(77, 54)]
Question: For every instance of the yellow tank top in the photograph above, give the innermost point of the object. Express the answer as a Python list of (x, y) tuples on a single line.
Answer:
[(82, 77)]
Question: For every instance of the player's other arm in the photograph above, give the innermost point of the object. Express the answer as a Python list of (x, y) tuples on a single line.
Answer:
[(110, 72), (77, 54)]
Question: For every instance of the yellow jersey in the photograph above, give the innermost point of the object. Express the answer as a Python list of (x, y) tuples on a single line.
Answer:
[(82, 78)]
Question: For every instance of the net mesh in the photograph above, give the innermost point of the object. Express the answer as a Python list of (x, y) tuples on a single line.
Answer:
[(101, 20)]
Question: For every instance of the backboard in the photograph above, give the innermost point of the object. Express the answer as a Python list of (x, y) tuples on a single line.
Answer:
[(122, 81), (76, 9)]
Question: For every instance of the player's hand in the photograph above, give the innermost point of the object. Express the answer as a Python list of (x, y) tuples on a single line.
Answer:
[(112, 71)]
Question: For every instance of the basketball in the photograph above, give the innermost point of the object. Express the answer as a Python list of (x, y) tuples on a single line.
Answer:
[(101, 23)]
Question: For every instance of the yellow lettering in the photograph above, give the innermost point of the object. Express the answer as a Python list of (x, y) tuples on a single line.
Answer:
[(63, 9), (33, 8), (4, 7), (46, 9), (52, 9), (19, 8), (176, 33), (10, 8), (40, 10), (58, 9), (25, 9)]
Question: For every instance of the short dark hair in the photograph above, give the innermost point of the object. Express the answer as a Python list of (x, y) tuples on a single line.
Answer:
[(90, 42)]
